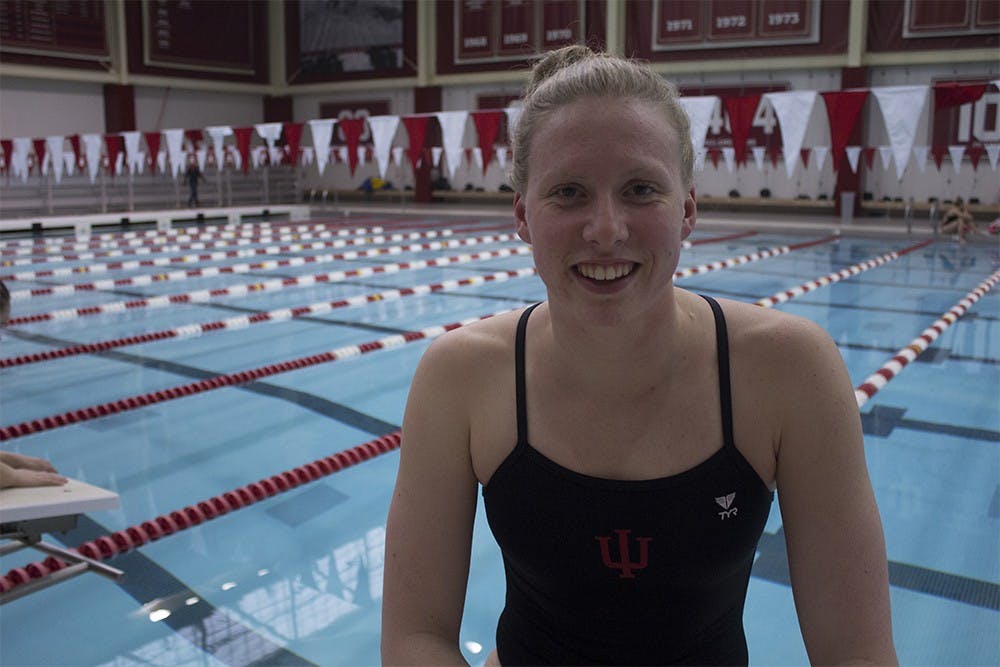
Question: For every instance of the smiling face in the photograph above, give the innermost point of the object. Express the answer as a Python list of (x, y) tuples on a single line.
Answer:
[(605, 208)]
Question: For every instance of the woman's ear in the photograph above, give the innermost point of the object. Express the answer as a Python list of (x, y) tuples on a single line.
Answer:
[(690, 214), (521, 224)]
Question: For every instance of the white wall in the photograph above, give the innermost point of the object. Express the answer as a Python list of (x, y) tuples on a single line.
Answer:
[(39, 107), (164, 108)]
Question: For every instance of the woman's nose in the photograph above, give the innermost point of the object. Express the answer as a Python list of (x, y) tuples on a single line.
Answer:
[(606, 226)]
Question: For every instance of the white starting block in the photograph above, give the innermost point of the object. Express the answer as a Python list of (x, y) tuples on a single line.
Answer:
[(26, 513)]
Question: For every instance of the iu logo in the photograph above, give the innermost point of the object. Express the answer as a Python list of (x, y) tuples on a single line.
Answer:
[(725, 502), (624, 563)]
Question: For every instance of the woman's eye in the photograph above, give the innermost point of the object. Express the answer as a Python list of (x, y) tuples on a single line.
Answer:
[(641, 189), (567, 191)]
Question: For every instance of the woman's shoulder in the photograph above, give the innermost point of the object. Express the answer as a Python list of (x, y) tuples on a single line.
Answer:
[(473, 348)]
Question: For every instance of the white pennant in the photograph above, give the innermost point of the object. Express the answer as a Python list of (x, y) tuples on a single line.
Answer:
[(885, 152), (383, 132), (453, 131), (501, 153), (175, 150), (957, 152), (257, 156), (700, 111), (397, 155), (161, 161), (362, 156), (92, 149), (19, 158), (436, 155), (993, 152), (342, 153), (901, 108), (54, 148), (729, 155), (920, 154), (133, 157), (758, 156), (218, 134), (321, 131), (274, 154), (69, 163), (820, 152), (269, 132), (793, 109), (308, 155), (853, 155), (201, 155), (477, 157), (513, 114)]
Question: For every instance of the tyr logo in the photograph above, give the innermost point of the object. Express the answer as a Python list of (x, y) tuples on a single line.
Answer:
[(624, 563), (725, 502)]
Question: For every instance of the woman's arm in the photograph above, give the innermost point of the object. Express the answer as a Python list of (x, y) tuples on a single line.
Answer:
[(429, 529), (836, 548)]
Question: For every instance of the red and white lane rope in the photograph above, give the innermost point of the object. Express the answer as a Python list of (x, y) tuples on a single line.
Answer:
[(751, 257), (229, 380), (837, 276), (136, 536), (205, 295), (874, 382), (211, 272), (280, 315)]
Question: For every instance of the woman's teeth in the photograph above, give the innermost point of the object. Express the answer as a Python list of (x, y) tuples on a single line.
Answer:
[(603, 271)]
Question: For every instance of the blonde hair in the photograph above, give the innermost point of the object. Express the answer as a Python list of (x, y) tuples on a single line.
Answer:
[(571, 73)]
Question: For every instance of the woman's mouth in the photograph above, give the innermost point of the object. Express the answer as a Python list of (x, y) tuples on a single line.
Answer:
[(605, 272)]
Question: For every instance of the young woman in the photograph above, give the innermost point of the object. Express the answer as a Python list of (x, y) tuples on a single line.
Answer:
[(628, 435)]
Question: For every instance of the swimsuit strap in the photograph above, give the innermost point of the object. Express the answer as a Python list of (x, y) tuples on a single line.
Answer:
[(522, 405), (722, 350)]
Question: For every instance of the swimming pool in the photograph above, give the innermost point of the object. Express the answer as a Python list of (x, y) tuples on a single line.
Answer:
[(295, 578)]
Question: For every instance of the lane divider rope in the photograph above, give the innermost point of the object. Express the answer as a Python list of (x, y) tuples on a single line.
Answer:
[(202, 296), (837, 276), (874, 382)]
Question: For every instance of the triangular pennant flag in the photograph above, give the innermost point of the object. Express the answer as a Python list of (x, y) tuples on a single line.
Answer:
[(153, 146), (352, 128), (741, 111), (40, 154), (416, 130), (975, 152), (477, 156), (92, 148), (885, 152), (920, 154), (113, 142), (308, 155), (436, 155), (383, 131), (342, 154), (729, 155), (321, 131), (74, 141), (758, 156), (957, 152), (55, 144), (19, 157), (938, 153), (869, 154), (793, 109), (275, 155), (200, 156), (161, 161), (397, 155), (804, 155), (69, 164), (293, 138), (269, 132), (243, 136), (901, 108), (947, 94), (218, 134), (134, 158), (364, 155), (487, 125), (842, 110), (853, 154), (993, 153), (820, 152), (195, 136), (501, 152), (175, 150), (452, 134), (714, 154), (699, 111), (513, 114)]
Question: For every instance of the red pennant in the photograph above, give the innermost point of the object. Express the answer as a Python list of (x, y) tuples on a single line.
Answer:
[(869, 155), (714, 154), (243, 136), (956, 94), (8, 147), (975, 152), (416, 129), (843, 110), (293, 137), (39, 152), (153, 144), (195, 137), (487, 125), (741, 111), (114, 144), (352, 129), (74, 141), (804, 154), (938, 153)]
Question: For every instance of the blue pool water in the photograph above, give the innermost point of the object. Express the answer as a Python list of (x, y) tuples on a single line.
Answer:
[(297, 578)]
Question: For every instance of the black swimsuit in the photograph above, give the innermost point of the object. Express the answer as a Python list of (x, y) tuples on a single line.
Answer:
[(647, 572)]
